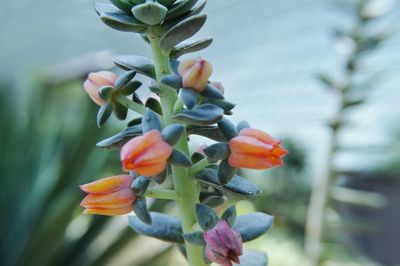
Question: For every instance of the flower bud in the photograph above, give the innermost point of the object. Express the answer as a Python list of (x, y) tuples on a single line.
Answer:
[(96, 80), (195, 73), (109, 196), (255, 149), (219, 86), (147, 155), (223, 244)]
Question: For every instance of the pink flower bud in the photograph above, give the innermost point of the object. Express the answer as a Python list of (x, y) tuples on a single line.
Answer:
[(223, 244), (195, 73), (219, 86), (96, 80)]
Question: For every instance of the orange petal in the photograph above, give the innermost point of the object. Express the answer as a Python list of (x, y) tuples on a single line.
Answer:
[(254, 161), (260, 135), (159, 152), (195, 73), (108, 185), (279, 151), (114, 200), (151, 169), (108, 212), (93, 91), (137, 145), (249, 145), (103, 78)]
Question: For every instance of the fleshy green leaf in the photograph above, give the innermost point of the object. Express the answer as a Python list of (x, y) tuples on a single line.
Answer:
[(173, 65), (190, 46), (178, 158), (140, 64), (124, 79), (141, 211), (106, 92), (206, 217), (227, 106), (197, 156), (217, 151), (210, 132), (201, 115), (227, 128), (121, 138), (101, 7), (180, 8), (103, 114), (189, 97), (150, 13), (150, 121), (140, 185), (253, 258), (195, 238), (154, 105), (182, 31), (122, 22), (173, 81), (212, 200), (163, 227), (252, 225), (122, 5), (242, 125), (131, 87), (120, 110), (172, 133), (238, 186), (225, 172), (212, 92), (229, 215)]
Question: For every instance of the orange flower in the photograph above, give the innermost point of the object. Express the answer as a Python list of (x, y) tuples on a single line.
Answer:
[(109, 196), (255, 149), (147, 155), (195, 73), (96, 80)]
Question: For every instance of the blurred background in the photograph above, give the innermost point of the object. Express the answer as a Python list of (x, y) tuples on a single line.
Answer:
[(322, 75)]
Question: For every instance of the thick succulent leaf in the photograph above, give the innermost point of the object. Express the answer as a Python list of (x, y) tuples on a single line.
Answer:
[(154, 87), (195, 238), (120, 21), (150, 121), (210, 132), (190, 46), (140, 185), (141, 211), (154, 105), (238, 186), (136, 99), (217, 151), (120, 110), (189, 97), (206, 217), (178, 158), (182, 31), (161, 177), (150, 13), (101, 7), (212, 200), (172, 133), (103, 114), (124, 79), (225, 172), (140, 64), (197, 156), (228, 129), (166, 2), (121, 138), (227, 106), (242, 125), (173, 65), (106, 92), (200, 5), (163, 227), (131, 87), (212, 92), (252, 225), (173, 81), (253, 258), (180, 8), (229, 215), (201, 115), (122, 5)]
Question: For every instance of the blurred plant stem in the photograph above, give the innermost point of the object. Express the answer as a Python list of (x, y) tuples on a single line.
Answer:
[(184, 184), (364, 43)]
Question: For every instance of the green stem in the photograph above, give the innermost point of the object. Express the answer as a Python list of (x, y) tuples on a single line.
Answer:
[(162, 194), (200, 165), (185, 186), (130, 104)]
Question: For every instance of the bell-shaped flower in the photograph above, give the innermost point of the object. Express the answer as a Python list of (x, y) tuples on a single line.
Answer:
[(255, 149), (109, 196), (95, 81), (223, 244), (147, 155), (195, 73)]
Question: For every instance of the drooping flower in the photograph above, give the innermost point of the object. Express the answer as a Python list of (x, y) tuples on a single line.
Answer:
[(109, 196), (195, 73), (255, 149), (147, 155), (96, 80), (223, 244)]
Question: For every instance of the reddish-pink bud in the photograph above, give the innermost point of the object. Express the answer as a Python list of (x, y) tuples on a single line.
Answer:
[(96, 80), (195, 73), (219, 86), (223, 244)]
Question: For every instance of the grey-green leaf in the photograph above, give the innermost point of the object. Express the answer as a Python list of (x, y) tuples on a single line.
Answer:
[(163, 227), (154, 105), (120, 21), (227, 128), (238, 186), (121, 138), (173, 81), (140, 64), (101, 7), (103, 114), (253, 258), (141, 211), (212, 92), (242, 125), (252, 225), (190, 46), (189, 97), (225, 172), (180, 8), (182, 31), (201, 115), (227, 106), (206, 217), (124, 79), (217, 151), (178, 158), (172, 133), (211, 132), (140, 185), (150, 13), (150, 121), (229, 215), (195, 238), (122, 5)]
